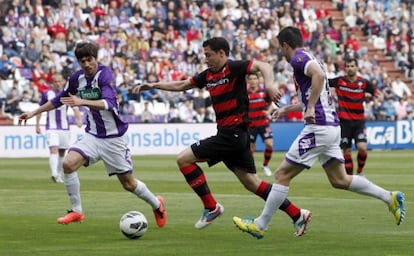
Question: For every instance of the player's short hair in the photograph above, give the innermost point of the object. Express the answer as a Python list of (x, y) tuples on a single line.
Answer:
[(86, 49), (252, 74), (351, 59), (218, 43), (292, 36)]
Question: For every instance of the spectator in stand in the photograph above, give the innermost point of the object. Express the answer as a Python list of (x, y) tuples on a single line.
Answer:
[(11, 105), (377, 109), (400, 88), (323, 15), (154, 94), (400, 108), (295, 116), (388, 111), (41, 85), (410, 108), (7, 67), (410, 61), (262, 43), (186, 111), (343, 34), (173, 115), (369, 110), (33, 92), (30, 55), (147, 116), (57, 28)]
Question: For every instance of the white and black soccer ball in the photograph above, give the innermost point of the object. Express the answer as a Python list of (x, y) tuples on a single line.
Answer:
[(133, 224)]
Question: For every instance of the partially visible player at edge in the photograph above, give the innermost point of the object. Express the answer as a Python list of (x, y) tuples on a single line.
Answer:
[(260, 109), (318, 140), (57, 128), (225, 80), (350, 90), (105, 139)]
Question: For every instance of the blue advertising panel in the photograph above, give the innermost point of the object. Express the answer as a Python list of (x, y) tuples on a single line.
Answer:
[(381, 135)]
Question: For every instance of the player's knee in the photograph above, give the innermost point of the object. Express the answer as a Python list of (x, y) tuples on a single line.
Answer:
[(183, 160), (129, 186), (68, 167), (339, 183)]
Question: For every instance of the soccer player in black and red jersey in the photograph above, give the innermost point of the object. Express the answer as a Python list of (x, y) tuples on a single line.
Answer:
[(225, 80), (260, 107), (350, 90)]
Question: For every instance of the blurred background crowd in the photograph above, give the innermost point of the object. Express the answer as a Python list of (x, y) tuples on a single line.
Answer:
[(162, 40)]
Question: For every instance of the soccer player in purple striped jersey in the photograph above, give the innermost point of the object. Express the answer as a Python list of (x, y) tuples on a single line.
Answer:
[(225, 80), (57, 128), (105, 139), (318, 140)]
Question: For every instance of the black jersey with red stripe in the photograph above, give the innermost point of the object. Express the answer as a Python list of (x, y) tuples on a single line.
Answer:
[(259, 102), (228, 93), (351, 96)]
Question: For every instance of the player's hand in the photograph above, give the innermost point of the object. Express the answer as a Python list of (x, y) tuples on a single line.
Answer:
[(274, 96), (71, 100), (24, 117), (38, 129), (310, 115), (142, 87), (278, 113)]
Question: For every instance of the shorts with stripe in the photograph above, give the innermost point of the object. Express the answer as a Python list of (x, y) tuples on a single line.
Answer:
[(316, 142)]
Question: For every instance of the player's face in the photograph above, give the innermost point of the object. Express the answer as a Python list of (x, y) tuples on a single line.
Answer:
[(351, 68), (214, 60), (253, 82), (89, 65), (284, 49), (58, 83)]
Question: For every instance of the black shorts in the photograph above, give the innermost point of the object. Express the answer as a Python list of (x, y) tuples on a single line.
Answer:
[(265, 132), (352, 130), (231, 146)]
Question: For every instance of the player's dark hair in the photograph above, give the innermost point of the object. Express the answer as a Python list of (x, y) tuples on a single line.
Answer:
[(253, 74), (292, 36), (86, 49), (218, 43), (348, 60)]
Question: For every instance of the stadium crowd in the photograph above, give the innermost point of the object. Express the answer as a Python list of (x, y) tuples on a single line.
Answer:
[(162, 40)]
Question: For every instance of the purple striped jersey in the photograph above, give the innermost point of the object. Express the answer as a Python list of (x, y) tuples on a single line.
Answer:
[(56, 119), (99, 123), (325, 113)]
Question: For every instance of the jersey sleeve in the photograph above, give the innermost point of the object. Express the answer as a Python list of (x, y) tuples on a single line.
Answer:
[(371, 88), (43, 98), (108, 87), (333, 82), (199, 80)]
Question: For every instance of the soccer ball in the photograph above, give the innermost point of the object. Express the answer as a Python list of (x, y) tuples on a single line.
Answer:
[(133, 224)]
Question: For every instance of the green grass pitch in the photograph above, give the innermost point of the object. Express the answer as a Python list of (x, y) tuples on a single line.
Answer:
[(343, 223)]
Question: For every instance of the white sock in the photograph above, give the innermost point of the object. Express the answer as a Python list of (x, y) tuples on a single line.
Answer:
[(53, 164), (145, 194), (72, 185), (275, 199), (60, 166), (363, 186)]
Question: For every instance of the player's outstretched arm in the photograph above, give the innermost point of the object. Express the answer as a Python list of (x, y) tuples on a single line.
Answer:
[(27, 115), (181, 85)]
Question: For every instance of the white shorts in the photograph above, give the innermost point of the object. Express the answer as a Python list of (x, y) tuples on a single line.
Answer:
[(58, 138), (114, 152), (316, 142)]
